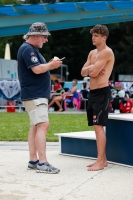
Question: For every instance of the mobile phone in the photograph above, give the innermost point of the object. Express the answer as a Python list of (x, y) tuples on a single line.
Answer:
[(63, 58)]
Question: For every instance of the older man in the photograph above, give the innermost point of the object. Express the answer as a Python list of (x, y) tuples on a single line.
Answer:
[(34, 76)]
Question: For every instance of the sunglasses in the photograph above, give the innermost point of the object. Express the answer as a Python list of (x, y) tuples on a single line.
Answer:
[(45, 36)]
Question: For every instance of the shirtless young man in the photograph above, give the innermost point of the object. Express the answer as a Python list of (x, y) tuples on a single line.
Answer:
[(99, 66)]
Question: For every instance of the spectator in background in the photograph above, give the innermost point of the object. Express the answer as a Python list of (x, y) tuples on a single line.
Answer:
[(72, 95), (126, 103), (84, 85), (131, 91), (57, 85), (58, 99), (84, 91)]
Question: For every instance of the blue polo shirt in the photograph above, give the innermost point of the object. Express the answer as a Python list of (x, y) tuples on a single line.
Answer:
[(33, 86)]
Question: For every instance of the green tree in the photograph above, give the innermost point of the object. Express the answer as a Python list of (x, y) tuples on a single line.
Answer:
[(6, 2), (121, 41), (75, 44)]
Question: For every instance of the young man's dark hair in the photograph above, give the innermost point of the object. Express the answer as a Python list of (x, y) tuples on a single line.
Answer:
[(100, 29)]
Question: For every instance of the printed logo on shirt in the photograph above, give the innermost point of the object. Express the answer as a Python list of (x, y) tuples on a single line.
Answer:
[(32, 53), (34, 59)]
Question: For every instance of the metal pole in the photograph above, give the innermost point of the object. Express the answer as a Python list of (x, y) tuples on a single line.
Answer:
[(66, 73), (61, 72)]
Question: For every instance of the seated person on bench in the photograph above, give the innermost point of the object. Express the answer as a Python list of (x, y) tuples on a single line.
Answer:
[(57, 85), (58, 99)]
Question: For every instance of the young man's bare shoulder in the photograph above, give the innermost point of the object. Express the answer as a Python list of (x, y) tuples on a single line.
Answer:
[(109, 54), (92, 51), (109, 50)]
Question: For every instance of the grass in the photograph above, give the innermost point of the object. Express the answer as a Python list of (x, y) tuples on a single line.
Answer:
[(15, 126)]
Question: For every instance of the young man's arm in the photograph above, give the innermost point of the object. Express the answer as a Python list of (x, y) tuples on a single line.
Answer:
[(85, 69), (98, 67)]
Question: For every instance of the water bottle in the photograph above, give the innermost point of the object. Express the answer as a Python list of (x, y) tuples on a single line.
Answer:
[(52, 88)]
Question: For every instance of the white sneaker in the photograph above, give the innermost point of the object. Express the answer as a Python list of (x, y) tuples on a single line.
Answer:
[(51, 109), (117, 111)]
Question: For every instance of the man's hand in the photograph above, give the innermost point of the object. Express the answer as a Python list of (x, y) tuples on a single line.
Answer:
[(102, 72), (54, 64), (42, 68)]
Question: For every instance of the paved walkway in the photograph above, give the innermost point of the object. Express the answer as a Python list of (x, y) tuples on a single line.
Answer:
[(73, 182)]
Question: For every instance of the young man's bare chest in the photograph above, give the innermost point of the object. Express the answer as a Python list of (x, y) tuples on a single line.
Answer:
[(94, 56)]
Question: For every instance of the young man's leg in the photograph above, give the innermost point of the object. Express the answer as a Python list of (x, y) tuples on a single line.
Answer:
[(101, 100), (101, 149)]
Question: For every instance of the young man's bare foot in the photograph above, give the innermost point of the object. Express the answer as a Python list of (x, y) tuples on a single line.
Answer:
[(96, 166), (105, 164)]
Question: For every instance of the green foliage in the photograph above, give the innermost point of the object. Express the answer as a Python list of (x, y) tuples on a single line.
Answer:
[(121, 41), (7, 2), (75, 45), (15, 126), (14, 41)]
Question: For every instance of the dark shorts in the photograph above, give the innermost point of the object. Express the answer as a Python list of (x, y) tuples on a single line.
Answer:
[(98, 104)]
